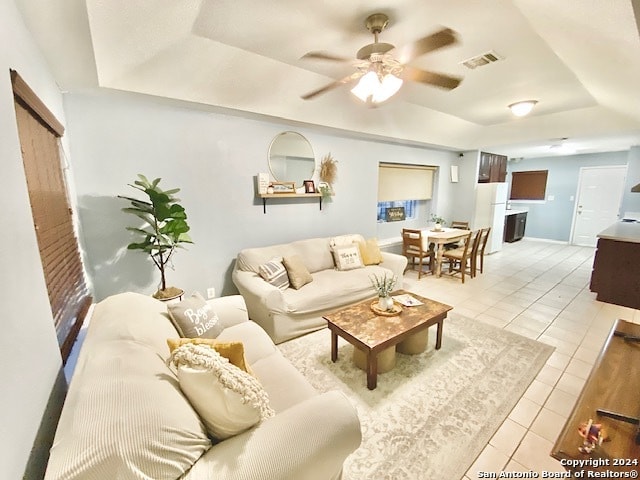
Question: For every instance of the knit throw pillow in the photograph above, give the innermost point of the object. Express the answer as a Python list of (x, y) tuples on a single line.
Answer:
[(228, 400)]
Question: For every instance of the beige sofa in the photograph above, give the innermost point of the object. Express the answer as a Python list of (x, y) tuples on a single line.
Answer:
[(125, 416), (291, 313)]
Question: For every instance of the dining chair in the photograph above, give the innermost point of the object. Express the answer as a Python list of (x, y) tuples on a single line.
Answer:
[(480, 253), (413, 249), (460, 259), (460, 225)]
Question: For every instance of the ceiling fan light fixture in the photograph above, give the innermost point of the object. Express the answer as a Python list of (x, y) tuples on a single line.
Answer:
[(388, 88), (372, 89), (520, 109)]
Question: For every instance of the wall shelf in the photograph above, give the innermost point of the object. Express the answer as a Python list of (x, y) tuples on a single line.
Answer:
[(265, 196)]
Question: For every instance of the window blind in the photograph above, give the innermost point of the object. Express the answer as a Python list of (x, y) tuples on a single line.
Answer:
[(529, 185), (39, 133), (404, 182)]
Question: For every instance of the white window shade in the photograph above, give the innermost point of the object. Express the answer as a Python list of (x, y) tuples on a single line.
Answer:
[(404, 182)]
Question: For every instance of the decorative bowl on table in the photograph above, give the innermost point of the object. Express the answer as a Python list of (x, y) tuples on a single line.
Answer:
[(395, 310)]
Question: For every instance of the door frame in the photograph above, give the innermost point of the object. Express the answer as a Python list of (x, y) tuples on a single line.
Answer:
[(577, 195)]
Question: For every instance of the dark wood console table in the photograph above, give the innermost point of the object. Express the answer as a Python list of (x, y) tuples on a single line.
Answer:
[(613, 385)]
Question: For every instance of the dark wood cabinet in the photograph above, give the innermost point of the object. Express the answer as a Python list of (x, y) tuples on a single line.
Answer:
[(493, 168), (615, 276), (514, 226)]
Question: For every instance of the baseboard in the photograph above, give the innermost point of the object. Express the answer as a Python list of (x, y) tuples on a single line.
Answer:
[(39, 456), (546, 240)]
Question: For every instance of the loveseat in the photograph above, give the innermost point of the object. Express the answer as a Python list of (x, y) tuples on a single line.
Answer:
[(126, 417), (285, 313)]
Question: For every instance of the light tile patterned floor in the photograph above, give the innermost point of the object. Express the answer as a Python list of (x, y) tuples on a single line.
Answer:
[(540, 290)]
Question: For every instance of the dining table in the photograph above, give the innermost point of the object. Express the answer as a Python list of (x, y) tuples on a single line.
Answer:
[(440, 238)]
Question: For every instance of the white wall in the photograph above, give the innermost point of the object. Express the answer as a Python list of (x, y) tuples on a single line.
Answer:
[(214, 158), (463, 200), (31, 358), (631, 200)]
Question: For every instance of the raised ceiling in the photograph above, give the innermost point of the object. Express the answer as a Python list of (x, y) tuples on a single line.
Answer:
[(580, 60)]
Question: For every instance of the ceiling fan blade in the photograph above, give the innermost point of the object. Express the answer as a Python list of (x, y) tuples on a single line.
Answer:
[(331, 86), (427, 44), (431, 78), (325, 56)]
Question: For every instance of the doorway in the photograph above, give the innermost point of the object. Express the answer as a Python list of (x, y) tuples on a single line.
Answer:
[(600, 191)]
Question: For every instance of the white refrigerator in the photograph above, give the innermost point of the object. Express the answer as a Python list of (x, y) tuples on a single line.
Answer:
[(491, 204)]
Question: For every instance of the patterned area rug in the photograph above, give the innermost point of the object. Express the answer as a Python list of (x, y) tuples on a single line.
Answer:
[(431, 416)]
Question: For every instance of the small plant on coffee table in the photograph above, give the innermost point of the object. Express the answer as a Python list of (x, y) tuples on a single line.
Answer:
[(383, 284)]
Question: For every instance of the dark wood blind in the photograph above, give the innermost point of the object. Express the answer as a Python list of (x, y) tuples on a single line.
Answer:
[(529, 185), (39, 133)]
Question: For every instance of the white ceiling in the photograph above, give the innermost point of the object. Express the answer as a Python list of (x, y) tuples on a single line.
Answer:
[(579, 58)]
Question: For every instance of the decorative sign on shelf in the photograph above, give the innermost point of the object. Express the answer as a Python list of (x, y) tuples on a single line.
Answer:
[(263, 182), (395, 214)]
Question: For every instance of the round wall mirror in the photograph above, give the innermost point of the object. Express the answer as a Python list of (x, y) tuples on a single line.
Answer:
[(291, 158)]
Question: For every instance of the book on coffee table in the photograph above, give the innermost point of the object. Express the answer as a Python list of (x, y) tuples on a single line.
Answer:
[(407, 300)]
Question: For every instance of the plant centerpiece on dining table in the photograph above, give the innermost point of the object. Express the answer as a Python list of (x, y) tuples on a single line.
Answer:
[(384, 285), (437, 221)]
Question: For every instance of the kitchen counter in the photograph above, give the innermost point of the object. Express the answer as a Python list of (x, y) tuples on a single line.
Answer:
[(514, 211), (615, 276), (622, 232)]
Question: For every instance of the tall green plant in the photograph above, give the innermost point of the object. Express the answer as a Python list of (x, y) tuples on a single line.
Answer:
[(165, 227)]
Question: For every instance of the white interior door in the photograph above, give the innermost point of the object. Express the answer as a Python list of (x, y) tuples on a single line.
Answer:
[(599, 195)]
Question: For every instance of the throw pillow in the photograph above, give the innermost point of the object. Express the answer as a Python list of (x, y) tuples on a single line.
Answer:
[(347, 258), (370, 252), (232, 351), (194, 317), (344, 241), (228, 400), (299, 276), (274, 272)]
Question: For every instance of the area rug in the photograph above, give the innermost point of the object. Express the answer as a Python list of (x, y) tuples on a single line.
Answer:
[(431, 416)]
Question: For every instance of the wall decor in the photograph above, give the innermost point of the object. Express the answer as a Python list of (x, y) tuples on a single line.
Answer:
[(309, 186), (395, 214), (329, 169), (263, 183), (291, 158), (284, 187), (454, 174)]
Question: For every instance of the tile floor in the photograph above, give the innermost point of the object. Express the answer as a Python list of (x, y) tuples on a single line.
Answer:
[(540, 290)]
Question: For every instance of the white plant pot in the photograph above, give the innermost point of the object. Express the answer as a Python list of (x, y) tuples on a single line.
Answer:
[(385, 303)]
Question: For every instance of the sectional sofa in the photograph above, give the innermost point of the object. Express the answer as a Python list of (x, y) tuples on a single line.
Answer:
[(126, 416)]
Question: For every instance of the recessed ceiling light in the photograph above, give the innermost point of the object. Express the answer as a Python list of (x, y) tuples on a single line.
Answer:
[(520, 109)]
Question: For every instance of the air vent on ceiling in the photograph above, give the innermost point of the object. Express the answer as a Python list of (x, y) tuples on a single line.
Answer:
[(484, 59)]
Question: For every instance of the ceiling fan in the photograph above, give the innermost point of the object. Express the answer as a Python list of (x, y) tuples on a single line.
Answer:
[(381, 68)]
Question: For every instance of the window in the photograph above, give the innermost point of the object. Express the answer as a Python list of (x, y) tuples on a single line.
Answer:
[(529, 185), (409, 209), (39, 133), (404, 182)]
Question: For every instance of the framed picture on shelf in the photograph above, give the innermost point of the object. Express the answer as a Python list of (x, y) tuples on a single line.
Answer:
[(309, 186), (284, 187)]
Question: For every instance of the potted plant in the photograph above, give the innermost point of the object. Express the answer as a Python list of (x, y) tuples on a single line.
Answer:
[(384, 286), (438, 221), (165, 228)]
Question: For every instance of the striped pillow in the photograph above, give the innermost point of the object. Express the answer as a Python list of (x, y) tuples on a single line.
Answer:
[(274, 272)]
